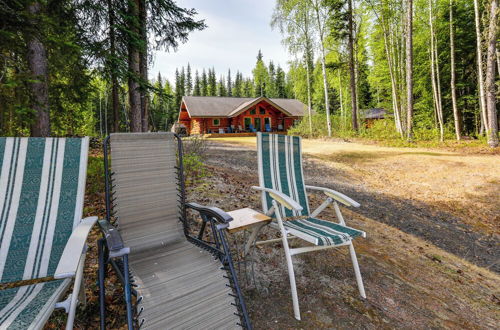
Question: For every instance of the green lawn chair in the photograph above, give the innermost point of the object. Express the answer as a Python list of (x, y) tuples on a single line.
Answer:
[(179, 281), (42, 234), (281, 180)]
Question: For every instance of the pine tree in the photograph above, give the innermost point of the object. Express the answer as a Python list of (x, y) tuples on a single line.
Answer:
[(280, 83), (182, 82), (212, 83), (189, 81), (238, 85), (204, 84), (229, 87), (221, 87), (179, 93), (260, 76), (197, 87), (271, 84)]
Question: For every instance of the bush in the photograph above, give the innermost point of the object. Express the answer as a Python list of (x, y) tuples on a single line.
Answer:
[(195, 149), (340, 128)]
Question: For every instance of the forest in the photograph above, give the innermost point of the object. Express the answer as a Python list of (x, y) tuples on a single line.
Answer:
[(80, 67)]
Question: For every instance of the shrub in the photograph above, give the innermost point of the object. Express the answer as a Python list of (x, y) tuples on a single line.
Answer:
[(195, 149)]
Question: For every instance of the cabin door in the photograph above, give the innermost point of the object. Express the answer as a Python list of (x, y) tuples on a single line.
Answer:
[(258, 124)]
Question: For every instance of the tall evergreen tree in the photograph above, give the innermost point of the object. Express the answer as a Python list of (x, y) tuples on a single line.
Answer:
[(229, 87), (189, 81), (260, 76), (204, 84), (221, 87), (280, 83), (212, 83), (179, 93), (197, 84)]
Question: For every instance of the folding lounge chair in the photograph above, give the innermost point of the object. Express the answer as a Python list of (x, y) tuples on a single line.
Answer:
[(42, 235), (284, 196), (180, 281)]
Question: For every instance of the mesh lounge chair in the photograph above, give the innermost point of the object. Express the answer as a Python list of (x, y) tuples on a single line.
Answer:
[(42, 236), (178, 282), (284, 195)]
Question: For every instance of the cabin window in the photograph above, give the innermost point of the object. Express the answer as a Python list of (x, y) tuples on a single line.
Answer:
[(267, 121), (296, 122), (216, 122), (252, 112), (248, 122), (262, 111)]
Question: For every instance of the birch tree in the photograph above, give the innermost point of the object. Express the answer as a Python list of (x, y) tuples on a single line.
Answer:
[(293, 18), (321, 17), (480, 78), (436, 86), (352, 71), (490, 75), (456, 114), (409, 70)]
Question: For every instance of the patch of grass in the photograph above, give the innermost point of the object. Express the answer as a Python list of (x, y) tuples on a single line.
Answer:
[(95, 175)]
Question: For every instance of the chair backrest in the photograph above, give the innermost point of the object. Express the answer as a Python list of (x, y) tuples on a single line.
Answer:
[(145, 189), (42, 187), (280, 168)]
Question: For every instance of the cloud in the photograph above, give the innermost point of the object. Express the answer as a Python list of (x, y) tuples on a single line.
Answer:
[(236, 30)]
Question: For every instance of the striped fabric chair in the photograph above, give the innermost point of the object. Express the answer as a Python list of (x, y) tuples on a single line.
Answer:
[(284, 197), (42, 234)]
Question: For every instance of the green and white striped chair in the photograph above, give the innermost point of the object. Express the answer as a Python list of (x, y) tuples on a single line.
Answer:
[(42, 234), (284, 195)]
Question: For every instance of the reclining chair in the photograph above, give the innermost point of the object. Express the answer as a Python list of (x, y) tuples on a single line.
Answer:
[(42, 234), (284, 198), (179, 280)]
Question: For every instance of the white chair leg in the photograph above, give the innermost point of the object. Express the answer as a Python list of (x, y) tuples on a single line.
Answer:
[(288, 256), (76, 290), (355, 265), (291, 275)]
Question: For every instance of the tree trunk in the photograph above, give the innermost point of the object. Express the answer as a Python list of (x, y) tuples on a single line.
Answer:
[(354, 104), (113, 69), (144, 66), (342, 114), (134, 70), (395, 103), (479, 55), (409, 70), (39, 87), (456, 114), (490, 76), (308, 92), (323, 68), (436, 86)]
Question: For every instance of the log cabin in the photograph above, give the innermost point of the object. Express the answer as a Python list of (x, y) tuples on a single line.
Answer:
[(212, 114)]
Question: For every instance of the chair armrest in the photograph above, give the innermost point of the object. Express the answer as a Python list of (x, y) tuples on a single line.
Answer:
[(281, 198), (114, 240), (346, 200), (211, 211), (70, 258)]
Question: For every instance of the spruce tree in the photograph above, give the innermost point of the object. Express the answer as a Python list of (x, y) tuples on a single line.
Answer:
[(182, 81), (204, 84), (221, 87), (212, 83), (197, 87), (189, 81), (260, 76), (280, 83), (178, 89), (229, 88)]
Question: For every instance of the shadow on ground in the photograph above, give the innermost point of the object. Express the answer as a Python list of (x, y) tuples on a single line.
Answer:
[(438, 227)]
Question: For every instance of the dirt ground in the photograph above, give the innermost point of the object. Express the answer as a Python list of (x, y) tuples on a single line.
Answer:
[(431, 257)]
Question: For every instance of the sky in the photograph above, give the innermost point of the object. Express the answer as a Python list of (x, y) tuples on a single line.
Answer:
[(236, 30)]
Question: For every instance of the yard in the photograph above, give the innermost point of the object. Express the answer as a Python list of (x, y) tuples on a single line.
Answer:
[(430, 258)]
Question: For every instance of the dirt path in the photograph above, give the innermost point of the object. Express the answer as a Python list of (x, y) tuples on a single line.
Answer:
[(449, 199), (410, 281)]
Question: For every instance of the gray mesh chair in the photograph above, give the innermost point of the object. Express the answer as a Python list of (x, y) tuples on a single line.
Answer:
[(179, 280)]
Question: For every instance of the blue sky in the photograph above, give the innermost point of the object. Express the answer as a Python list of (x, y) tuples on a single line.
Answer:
[(236, 30)]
